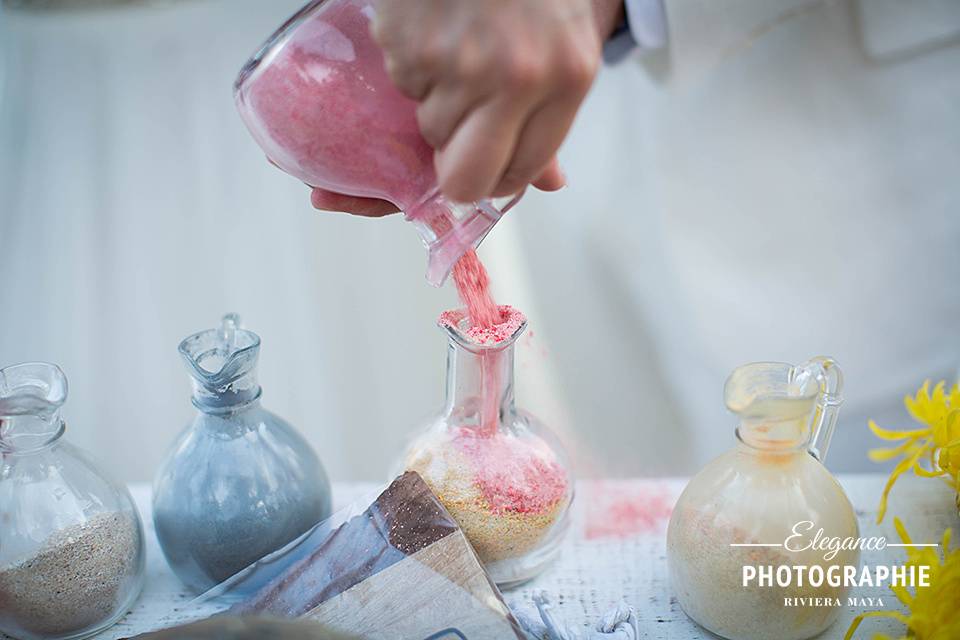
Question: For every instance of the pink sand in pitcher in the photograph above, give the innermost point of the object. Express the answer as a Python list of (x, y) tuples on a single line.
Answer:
[(325, 111), (319, 102)]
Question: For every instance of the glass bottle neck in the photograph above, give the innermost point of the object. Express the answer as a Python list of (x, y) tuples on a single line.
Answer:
[(775, 436), (30, 433), (479, 387), (235, 396)]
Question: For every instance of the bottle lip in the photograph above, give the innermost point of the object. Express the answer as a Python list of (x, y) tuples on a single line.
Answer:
[(273, 44), (32, 388), (456, 323), (752, 385), (234, 349)]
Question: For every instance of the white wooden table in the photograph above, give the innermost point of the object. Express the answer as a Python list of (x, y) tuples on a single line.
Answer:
[(598, 568)]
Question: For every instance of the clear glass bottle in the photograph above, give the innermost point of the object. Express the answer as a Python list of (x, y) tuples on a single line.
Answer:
[(500, 473), (317, 99), (71, 540), (742, 507), (239, 482)]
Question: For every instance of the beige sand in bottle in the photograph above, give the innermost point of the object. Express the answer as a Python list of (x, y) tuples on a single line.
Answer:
[(496, 531), (77, 580), (706, 576)]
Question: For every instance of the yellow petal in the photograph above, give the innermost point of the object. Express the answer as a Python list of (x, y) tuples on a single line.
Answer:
[(882, 455), (898, 471), (901, 530), (873, 614), (927, 473), (890, 434), (915, 405), (954, 398), (902, 595)]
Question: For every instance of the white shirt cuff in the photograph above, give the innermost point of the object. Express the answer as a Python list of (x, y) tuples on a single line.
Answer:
[(647, 30)]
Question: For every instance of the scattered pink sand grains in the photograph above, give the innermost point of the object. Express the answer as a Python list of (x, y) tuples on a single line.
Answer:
[(626, 509)]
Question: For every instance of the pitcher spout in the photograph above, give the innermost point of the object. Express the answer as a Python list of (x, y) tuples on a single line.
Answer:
[(786, 407), (223, 363)]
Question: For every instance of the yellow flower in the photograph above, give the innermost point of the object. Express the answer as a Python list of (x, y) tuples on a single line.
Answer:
[(934, 609), (930, 452)]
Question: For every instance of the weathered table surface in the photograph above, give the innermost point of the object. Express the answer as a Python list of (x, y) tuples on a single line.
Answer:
[(615, 551)]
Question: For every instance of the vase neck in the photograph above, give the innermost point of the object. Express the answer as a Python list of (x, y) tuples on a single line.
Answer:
[(223, 366), (31, 395), (233, 397), (29, 434), (479, 386)]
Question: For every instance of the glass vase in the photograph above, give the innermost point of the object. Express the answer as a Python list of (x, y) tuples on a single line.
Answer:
[(498, 470)]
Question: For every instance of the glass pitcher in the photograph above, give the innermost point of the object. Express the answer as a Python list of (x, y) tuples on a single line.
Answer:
[(71, 540), (317, 99), (239, 482), (500, 473), (740, 510)]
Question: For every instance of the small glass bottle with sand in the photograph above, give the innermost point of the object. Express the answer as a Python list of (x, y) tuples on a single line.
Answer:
[(71, 547), (741, 508), (239, 482), (499, 472)]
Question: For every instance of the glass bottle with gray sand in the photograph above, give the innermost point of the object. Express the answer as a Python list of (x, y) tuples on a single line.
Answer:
[(239, 482)]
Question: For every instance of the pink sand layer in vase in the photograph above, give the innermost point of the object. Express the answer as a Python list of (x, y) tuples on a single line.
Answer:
[(514, 474)]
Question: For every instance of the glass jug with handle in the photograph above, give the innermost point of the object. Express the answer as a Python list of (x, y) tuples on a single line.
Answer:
[(743, 507), (317, 99)]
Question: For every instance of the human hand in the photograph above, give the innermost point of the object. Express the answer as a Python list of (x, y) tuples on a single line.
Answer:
[(551, 179), (498, 84)]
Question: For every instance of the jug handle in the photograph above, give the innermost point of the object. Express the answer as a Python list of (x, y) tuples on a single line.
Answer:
[(829, 399)]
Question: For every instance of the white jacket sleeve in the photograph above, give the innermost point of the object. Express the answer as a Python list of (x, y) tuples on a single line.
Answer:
[(645, 28)]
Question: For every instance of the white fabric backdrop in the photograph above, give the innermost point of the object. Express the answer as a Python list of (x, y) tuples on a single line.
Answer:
[(134, 210)]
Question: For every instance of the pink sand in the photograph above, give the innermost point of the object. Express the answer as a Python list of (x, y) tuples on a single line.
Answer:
[(473, 285), (623, 510), (326, 112), (514, 475), (510, 320)]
